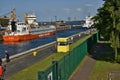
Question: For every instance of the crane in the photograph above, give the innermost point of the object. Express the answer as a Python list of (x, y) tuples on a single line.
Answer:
[(25, 17), (12, 17), (4, 20)]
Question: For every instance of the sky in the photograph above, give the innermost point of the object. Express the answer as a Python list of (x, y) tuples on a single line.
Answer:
[(50, 10)]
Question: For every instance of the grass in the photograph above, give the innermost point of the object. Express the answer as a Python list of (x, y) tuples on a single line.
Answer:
[(80, 41), (31, 72), (102, 69), (104, 64)]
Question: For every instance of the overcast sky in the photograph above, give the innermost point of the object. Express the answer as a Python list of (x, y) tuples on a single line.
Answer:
[(46, 10)]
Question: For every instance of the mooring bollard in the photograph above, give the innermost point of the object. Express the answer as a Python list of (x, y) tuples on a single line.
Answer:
[(34, 53)]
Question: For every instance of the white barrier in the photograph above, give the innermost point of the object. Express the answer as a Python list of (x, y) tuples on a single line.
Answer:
[(28, 51)]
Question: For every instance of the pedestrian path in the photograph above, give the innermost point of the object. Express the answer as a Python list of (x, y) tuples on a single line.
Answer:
[(84, 71)]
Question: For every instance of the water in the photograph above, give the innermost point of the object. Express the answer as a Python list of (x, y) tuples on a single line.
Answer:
[(15, 48)]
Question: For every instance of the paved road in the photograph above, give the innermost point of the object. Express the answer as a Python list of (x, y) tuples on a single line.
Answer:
[(20, 63)]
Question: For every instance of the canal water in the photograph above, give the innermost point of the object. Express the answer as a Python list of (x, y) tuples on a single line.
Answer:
[(18, 47)]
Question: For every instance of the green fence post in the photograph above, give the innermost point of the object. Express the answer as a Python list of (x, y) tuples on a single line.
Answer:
[(69, 63), (64, 68), (41, 75), (55, 70), (97, 36)]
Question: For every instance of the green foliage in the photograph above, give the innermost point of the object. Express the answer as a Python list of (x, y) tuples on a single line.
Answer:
[(107, 21), (102, 20), (102, 69), (104, 64)]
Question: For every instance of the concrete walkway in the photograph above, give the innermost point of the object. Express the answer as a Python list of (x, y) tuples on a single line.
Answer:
[(85, 70)]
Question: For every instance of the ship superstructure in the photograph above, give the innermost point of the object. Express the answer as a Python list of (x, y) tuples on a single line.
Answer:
[(88, 22), (31, 19)]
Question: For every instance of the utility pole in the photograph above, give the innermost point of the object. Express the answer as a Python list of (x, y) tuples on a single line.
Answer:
[(55, 18), (69, 18)]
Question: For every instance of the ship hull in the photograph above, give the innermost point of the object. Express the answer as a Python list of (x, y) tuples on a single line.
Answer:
[(17, 38)]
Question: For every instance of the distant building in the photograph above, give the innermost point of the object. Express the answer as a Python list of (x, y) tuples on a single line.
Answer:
[(75, 24), (60, 25)]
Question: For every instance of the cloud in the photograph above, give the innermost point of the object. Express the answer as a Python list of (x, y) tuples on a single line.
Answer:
[(67, 10), (89, 5), (78, 9)]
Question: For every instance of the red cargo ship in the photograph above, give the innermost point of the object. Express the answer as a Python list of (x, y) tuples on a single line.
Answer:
[(28, 30)]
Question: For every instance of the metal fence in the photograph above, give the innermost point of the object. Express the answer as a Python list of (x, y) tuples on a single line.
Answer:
[(62, 69), (92, 41)]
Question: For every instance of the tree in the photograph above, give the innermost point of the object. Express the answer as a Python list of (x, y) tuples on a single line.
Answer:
[(107, 22)]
